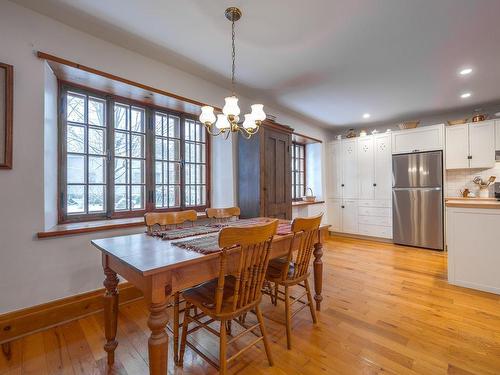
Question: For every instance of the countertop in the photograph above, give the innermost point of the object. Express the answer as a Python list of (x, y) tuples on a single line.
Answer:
[(473, 203)]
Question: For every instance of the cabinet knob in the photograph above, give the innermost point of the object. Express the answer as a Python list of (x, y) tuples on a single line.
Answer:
[(342, 185), (469, 157), (342, 206), (374, 184)]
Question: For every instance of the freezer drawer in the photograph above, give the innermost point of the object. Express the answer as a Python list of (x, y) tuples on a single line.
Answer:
[(418, 217)]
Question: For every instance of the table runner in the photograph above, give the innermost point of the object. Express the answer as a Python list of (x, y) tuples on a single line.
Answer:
[(175, 234)]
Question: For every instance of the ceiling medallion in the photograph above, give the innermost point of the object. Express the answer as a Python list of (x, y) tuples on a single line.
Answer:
[(227, 122)]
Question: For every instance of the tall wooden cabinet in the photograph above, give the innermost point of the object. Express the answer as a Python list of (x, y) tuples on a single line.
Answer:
[(264, 173)]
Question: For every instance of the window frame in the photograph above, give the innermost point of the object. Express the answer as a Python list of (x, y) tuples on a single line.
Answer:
[(149, 149), (295, 171)]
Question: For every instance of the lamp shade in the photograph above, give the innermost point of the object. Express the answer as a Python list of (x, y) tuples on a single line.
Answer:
[(222, 122), (249, 122), (258, 112), (231, 106), (207, 115)]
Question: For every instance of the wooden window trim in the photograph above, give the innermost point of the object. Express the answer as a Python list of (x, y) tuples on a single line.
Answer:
[(9, 113), (303, 145), (63, 218)]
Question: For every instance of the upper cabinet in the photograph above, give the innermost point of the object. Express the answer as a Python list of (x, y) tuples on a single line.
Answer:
[(335, 174), (366, 168), (350, 187), (383, 166), (426, 138), (470, 145)]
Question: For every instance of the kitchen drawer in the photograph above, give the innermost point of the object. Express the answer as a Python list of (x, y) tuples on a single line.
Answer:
[(375, 211), (374, 203), (385, 221), (375, 231)]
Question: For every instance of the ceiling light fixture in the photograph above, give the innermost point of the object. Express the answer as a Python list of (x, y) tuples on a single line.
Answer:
[(466, 71), (466, 95), (366, 115), (228, 121)]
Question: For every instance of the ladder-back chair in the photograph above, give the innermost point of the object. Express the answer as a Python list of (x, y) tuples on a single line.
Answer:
[(221, 215), (234, 293)]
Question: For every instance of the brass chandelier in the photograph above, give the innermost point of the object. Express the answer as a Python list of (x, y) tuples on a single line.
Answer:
[(228, 121)]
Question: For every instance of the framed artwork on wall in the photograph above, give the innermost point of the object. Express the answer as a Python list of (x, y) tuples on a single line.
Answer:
[(6, 111)]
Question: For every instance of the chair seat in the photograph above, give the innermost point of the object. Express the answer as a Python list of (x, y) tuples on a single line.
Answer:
[(277, 267), (203, 296)]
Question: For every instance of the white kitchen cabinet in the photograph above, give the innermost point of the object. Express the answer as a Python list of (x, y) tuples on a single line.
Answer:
[(350, 184), (457, 146), (426, 138), (497, 136), (366, 170), (335, 173), (383, 166), (334, 210), (470, 145), (350, 216), (482, 144)]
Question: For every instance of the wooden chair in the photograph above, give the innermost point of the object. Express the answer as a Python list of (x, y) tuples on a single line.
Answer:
[(163, 221), (232, 294), (221, 215), (168, 220), (290, 271)]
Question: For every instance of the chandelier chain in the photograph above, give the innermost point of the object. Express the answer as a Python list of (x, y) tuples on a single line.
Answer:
[(233, 68)]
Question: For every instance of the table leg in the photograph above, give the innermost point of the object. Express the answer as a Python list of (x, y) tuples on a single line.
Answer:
[(158, 341), (318, 274), (110, 313)]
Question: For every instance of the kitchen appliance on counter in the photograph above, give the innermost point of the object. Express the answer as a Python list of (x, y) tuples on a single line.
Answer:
[(496, 190), (417, 199)]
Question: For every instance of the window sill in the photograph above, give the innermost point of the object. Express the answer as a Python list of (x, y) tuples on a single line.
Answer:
[(95, 226), (304, 203)]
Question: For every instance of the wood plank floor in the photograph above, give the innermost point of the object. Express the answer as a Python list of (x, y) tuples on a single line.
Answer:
[(386, 309)]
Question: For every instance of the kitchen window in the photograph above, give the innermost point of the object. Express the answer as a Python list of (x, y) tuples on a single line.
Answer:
[(298, 170), (120, 158)]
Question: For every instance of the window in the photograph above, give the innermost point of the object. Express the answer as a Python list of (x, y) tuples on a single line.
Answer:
[(121, 158), (298, 170)]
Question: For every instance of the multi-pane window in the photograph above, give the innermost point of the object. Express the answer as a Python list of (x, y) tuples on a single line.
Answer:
[(85, 146), (129, 153), (298, 170), (167, 160), (120, 158), (195, 163)]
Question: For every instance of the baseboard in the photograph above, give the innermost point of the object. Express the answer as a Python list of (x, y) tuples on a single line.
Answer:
[(23, 322), (361, 237)]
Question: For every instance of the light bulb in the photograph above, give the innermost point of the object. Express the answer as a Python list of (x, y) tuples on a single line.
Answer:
[(207, 115), (258, 112), (222, 122), (231, 106), (249, 122)]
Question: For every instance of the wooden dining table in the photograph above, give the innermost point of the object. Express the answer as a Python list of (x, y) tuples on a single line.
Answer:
[(159, 269)]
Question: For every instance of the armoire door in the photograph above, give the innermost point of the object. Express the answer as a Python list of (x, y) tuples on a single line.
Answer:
[(365, 168), (350, 185), (383, 166), (277, 184), (335, 170)]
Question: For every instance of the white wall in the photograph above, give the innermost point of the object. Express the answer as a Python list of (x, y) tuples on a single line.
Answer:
[(34, 271)]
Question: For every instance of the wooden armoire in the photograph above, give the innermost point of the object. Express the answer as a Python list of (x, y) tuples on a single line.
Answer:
[(264, 172)]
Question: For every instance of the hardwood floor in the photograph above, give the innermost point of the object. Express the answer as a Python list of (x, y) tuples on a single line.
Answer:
[(386, 309)]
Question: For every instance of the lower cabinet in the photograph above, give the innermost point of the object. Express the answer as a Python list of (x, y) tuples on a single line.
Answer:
[(350, 216)]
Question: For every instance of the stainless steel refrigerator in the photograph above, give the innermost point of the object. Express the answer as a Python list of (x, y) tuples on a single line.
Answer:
[(417, 199)]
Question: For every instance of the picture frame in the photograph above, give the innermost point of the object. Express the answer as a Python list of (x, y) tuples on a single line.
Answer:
[(6, 114)]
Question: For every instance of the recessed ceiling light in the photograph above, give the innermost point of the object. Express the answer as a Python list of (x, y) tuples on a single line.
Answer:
[(366, 115), (466, 71), (465, 95)]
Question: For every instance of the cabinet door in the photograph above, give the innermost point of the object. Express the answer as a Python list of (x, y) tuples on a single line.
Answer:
[(457, 146), (426, 138), (383, 167), (334, 211), (365, 168), (350, 184), (350, 216), (482, 145), (277, 185), (497, 133), (335, 170)]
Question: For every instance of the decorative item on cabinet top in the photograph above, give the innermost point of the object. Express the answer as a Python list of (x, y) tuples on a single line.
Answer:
[(408, 125), (457, 122), (478, 116)]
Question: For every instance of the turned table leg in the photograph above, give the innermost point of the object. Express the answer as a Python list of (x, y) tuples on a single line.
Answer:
[(158, 341), (110, 313), (318, 274)]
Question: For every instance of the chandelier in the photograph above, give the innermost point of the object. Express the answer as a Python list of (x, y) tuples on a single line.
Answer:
[(228, 121)]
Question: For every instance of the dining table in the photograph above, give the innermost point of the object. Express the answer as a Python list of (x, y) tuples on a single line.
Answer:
[(159, 268)]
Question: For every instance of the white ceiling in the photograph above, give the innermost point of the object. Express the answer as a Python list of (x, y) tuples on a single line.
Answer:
[(328, 60)]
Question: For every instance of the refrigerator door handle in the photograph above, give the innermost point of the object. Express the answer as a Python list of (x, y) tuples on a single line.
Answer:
[(416, 188)]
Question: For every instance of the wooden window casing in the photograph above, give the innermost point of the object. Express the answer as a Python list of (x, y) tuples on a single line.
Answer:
[(298, 171)]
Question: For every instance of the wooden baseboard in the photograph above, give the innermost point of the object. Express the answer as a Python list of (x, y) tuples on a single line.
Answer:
[(32, 319), (360, 237)]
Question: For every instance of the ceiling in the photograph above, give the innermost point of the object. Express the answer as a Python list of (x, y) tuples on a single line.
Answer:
[(329, 61)]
